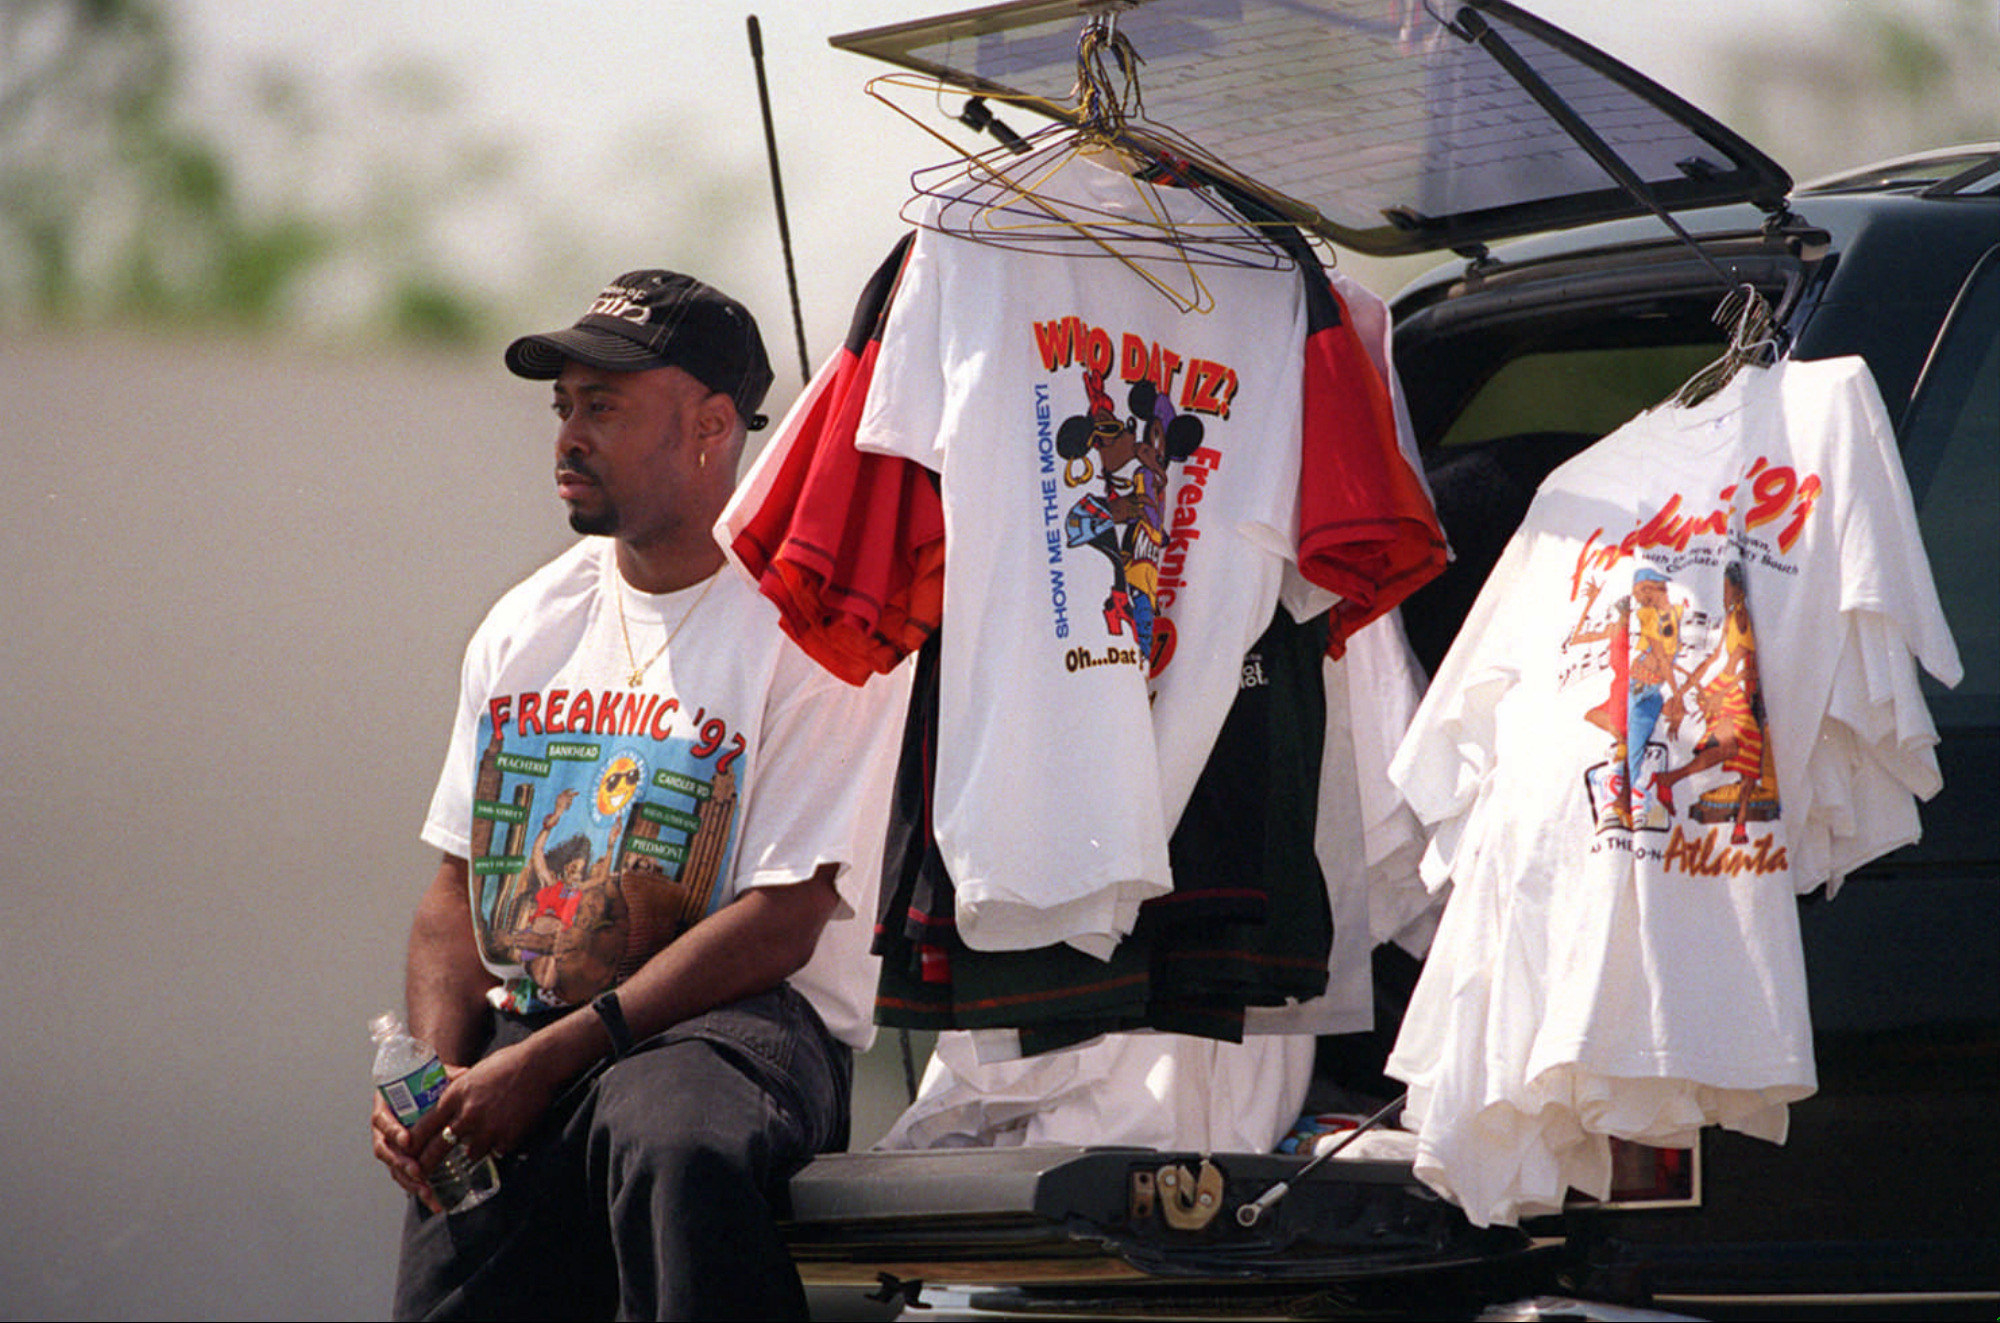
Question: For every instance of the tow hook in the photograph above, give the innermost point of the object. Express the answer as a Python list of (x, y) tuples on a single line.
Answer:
[(1188, 1200)]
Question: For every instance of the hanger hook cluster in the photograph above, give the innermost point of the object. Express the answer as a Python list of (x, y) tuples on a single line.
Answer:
[(1107, 78), (1754, 341), (1748, 318)]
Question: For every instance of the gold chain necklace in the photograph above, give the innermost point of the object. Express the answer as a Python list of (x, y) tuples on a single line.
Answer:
[(638, 675)]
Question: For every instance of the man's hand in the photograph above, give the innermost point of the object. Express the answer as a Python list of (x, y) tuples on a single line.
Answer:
[(445, 984), (746, 947), (563, 801), (393, 1150), (490, 1107)]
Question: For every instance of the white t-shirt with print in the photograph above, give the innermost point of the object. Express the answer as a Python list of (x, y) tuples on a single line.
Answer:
[(600, 819), (1630, 770), (1061, 766)]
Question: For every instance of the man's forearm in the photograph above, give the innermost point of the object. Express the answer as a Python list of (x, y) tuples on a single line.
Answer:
[(748, 946), (444, 982)]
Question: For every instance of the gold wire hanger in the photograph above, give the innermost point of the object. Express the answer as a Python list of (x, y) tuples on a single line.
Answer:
[(1003, 196)]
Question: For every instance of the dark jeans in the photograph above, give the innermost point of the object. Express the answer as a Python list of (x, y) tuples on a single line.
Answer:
[(652, 1188)]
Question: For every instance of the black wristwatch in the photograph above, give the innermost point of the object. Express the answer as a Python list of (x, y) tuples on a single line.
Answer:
[(608, 1010)]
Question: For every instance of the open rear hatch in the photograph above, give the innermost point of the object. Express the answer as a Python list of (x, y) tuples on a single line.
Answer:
[(1387, 127)]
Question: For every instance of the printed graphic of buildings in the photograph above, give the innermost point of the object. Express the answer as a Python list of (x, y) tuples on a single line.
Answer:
[(663, 906), (661, 900)]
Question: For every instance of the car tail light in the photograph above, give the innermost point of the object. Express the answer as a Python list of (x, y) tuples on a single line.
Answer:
[(1641, 1174)]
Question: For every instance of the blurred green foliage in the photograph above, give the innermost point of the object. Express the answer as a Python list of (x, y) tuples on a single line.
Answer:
[(119, 203), (284, 198), (1865, 81)]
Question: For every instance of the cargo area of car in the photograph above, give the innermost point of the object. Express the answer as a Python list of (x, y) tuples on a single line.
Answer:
[(1097, 1229), (1515, 357)]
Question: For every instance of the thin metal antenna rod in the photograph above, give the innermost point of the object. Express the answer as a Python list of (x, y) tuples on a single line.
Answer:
[(1249, 1214), (778, 195)]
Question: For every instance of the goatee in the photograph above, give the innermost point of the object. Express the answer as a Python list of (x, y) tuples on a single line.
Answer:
[(602, 524)]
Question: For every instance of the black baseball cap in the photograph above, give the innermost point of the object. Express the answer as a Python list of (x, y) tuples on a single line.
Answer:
[(650, 319)]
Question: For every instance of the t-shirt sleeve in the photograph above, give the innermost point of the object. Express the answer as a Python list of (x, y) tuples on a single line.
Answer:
[(448, 824), (1383, 691), (827, 759), (906, 405), (1449, 750), (1883, 565)]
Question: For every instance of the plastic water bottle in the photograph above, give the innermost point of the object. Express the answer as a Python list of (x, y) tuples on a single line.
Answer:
[(410, 1078)]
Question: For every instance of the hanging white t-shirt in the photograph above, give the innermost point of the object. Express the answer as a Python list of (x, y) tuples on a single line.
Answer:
[(1120, 486), (601, 819), (1156, 1091), (1686, 694), (1367, 840)]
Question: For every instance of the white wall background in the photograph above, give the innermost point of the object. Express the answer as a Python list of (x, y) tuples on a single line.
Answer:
[(238, 577)]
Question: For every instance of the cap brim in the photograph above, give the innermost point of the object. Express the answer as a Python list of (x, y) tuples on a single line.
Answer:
[(541, 357)]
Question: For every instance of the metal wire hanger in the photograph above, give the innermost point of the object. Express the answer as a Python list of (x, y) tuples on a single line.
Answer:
[(1007, 197), (1754, 341)]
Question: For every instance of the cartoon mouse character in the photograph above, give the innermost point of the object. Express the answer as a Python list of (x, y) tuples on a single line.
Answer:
[(1126, 520)]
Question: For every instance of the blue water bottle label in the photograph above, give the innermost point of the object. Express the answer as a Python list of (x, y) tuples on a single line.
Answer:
[(410, 1096)]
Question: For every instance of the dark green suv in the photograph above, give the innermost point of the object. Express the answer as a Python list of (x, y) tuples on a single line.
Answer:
[(1395, 128), (1890, 1181)]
